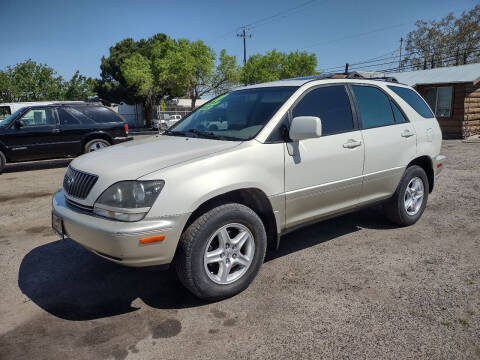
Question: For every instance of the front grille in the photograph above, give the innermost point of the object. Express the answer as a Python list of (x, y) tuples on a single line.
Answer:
[(77, 183)]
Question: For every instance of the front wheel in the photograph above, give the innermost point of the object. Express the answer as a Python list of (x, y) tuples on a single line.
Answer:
[(221, 252), (406, 206)]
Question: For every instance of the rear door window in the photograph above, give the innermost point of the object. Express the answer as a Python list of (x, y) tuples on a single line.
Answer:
[(331, 104), (99, 114), (374, 106), (414, 100), (67, 118)]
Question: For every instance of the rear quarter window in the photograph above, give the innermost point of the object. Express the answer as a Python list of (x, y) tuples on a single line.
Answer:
[(4, 112), (99, 114), (414, 100)]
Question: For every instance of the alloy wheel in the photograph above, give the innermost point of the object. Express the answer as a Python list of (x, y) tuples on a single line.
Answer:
[(229, 253), (413, 198)]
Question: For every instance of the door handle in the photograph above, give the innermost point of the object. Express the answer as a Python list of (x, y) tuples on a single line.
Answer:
[(407, 133), (352, 144)]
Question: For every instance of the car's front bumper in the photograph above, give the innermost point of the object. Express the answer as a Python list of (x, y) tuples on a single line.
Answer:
[(121, 139), (119, 241)]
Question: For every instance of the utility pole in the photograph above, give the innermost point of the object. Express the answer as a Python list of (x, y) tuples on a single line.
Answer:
[(400, 57), (244, 35)]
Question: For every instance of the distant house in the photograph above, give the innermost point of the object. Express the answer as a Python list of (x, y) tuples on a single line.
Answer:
[(453, 93)]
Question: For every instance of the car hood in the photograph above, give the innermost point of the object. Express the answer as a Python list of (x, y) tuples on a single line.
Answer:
[(134, 159)]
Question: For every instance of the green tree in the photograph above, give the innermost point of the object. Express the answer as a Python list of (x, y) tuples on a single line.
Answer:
[(130, 73), (79, 87), (276, 65), (190, 66), (29, 81), (446, 42)]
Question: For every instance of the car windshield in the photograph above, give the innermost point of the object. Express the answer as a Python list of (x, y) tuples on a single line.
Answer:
[(5, 122), (238, 115)]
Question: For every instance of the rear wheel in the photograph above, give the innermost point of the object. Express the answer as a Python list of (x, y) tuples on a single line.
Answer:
[(3, 162), (95, 145), (406, 206), (221, 252)]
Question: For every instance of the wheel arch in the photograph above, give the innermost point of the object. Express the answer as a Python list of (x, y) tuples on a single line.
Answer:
[(3, 149), (253, 198), (425, 162), (96, 135)]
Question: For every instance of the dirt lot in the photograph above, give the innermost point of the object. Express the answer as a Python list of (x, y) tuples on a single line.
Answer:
[(352, 287)]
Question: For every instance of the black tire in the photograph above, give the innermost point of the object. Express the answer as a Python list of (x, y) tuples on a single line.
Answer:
[(3, 162), (86, 149), (189, 258), (394, 207)]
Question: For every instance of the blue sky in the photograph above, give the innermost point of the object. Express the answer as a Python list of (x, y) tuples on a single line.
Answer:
[(69, 35)]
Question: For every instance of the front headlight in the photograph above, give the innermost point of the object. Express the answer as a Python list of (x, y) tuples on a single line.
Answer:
[(128, 200)]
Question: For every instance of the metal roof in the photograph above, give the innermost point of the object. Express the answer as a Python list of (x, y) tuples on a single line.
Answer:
[(454, 74)]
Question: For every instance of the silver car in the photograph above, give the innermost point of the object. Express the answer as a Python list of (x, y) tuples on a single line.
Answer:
[(209, 199)]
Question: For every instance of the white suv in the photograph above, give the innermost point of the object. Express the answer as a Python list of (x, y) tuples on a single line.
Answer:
[(209, 199)]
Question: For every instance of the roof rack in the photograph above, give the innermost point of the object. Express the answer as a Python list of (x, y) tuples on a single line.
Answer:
[(350, 75), (357, 75), (85, 103)]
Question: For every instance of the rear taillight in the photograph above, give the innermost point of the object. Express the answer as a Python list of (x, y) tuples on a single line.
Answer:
[(126, 129)]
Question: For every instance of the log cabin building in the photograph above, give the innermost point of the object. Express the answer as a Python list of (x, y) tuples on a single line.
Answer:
[(453, 94)]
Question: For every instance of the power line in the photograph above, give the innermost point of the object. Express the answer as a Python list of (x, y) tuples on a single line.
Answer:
[(412, 66), (271, 18), (381, 61), (281, 15), (446, 57), (367, 61), (357, 35)]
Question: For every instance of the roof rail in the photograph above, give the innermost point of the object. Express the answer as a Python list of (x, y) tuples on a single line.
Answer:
[(357, 75), (350, 75)]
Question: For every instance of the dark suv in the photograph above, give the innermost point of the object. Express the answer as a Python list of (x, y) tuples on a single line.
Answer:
[(58, 130)]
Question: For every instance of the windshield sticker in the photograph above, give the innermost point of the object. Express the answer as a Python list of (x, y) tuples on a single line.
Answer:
[(213, 103)]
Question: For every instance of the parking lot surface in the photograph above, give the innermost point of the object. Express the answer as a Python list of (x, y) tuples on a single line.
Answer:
[(352, 287)]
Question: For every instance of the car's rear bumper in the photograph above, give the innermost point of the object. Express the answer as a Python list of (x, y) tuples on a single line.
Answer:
[(439, 163), (121, 139), (119, 241)]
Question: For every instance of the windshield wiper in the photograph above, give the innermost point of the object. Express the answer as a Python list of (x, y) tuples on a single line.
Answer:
[(198, 133), (211, 135), (175, 133)]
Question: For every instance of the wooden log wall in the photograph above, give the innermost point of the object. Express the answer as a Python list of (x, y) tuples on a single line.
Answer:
[(471, 122)]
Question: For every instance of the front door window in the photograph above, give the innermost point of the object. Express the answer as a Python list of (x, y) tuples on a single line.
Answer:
[(39, 117)]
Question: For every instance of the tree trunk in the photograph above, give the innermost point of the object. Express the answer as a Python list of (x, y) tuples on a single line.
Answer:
[(147, 107), (193, 97)]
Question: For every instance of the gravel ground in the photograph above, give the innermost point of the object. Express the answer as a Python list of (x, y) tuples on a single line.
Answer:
[(353, 287)]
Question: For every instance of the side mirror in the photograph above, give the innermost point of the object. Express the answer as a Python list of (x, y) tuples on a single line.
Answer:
[(305, 127), (19, 124)]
